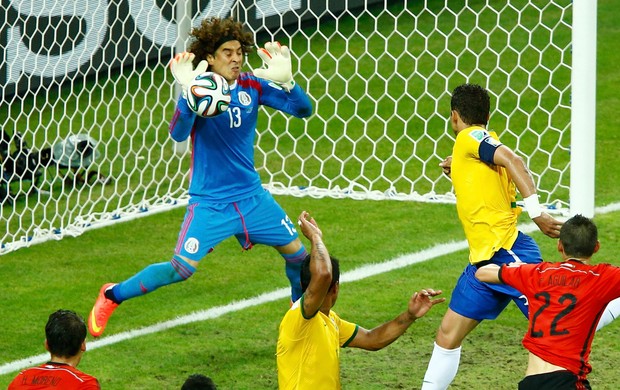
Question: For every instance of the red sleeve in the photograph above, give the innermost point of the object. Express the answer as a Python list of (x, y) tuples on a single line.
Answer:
[(517, 277), (611, 288)]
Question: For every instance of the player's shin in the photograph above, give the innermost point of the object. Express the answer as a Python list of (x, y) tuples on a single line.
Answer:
[(442, 368), (293, 271), (153, 277)]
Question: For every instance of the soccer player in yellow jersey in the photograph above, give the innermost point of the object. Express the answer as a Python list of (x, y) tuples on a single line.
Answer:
[(311, 334), (484, 173)]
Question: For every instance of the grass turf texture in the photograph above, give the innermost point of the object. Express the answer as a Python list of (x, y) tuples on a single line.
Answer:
[(237, 350)]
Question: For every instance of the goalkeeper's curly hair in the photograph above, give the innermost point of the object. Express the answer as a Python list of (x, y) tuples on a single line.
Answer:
[(212, 31)]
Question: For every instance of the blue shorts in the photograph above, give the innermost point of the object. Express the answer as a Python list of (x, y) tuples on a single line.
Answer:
[(484, 301), (255, 220)]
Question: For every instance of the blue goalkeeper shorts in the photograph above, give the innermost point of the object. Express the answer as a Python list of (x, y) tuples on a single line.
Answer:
[(255, 220), (484, 301)]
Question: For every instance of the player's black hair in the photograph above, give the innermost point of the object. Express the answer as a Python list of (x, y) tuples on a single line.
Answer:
[(212, 32), (198, 382), (305, 272), (579, 236), (65, 332), (473, 104)]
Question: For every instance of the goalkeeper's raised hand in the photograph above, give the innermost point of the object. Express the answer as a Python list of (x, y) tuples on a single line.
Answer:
[(277, 58), (183, 71)]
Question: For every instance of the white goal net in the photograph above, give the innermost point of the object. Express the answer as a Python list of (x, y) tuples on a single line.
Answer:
[(87, 99)]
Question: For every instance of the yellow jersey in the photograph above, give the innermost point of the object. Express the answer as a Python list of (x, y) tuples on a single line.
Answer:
[(485, 195), (308, 350)]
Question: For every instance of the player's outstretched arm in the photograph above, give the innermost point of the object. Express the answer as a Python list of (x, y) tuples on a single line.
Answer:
[(522, 178), (488, 273), (277, 59), (320, 266), (383, 335)]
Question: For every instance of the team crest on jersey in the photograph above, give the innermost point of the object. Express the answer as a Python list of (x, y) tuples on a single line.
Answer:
[(478, 135), (244, 98), (191, 245)]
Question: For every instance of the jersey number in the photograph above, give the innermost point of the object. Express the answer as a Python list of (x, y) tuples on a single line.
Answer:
[(568, 300), (234, 114), (286, 222)]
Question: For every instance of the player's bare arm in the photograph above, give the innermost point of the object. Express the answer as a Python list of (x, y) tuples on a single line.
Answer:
[(383, 335), (488, 273), (320, 265), (524, 181)]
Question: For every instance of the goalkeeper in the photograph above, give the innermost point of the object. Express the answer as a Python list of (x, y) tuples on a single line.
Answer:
[(226, 195)]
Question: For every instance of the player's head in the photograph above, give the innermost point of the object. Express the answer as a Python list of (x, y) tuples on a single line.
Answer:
[(65, 333), (579, 237), (223, 43), (198, 382), (472, 103), (306, 275)]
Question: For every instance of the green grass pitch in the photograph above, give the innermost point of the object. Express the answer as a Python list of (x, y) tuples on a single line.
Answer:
[(238, 349)]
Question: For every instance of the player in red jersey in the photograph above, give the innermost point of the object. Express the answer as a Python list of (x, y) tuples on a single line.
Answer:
[(65, 339), (566, 300)]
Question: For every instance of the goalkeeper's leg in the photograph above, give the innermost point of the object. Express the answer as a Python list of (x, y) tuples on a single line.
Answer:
[(201, 230), (151, 278), (265, 222), (293, 264), (147, 280)]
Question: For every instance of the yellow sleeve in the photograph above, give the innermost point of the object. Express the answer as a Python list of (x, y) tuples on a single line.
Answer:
[(347, 330)]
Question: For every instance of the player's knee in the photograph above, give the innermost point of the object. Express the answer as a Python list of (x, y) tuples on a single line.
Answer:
[(444, 340), (448, 338), (184, 268)]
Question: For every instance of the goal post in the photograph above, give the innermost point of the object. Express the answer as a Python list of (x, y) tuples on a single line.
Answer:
[(379, 74), (583, 118), (183, 18)]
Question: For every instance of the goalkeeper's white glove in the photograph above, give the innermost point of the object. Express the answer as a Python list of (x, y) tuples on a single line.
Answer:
[(277, 58), (183, 70)]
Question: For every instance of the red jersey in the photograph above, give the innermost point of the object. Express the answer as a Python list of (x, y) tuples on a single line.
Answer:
[(54, 376), (566, 301)]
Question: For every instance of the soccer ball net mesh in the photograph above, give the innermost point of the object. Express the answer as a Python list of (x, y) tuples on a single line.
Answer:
[(87, 98)]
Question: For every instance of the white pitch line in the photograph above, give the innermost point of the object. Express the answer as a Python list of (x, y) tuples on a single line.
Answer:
[(218, 311)]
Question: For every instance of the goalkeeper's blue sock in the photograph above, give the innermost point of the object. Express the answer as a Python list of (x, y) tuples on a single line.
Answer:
[(151, 278), (293, 270)]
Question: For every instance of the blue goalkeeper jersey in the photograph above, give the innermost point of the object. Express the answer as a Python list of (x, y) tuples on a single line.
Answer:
[(222, 159)]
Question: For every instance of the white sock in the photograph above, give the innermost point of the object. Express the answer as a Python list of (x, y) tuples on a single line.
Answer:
[(442, 368), (612, 311)]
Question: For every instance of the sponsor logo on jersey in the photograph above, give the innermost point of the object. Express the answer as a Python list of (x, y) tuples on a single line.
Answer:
[(244, 98), (191, 245), (478, 135)]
